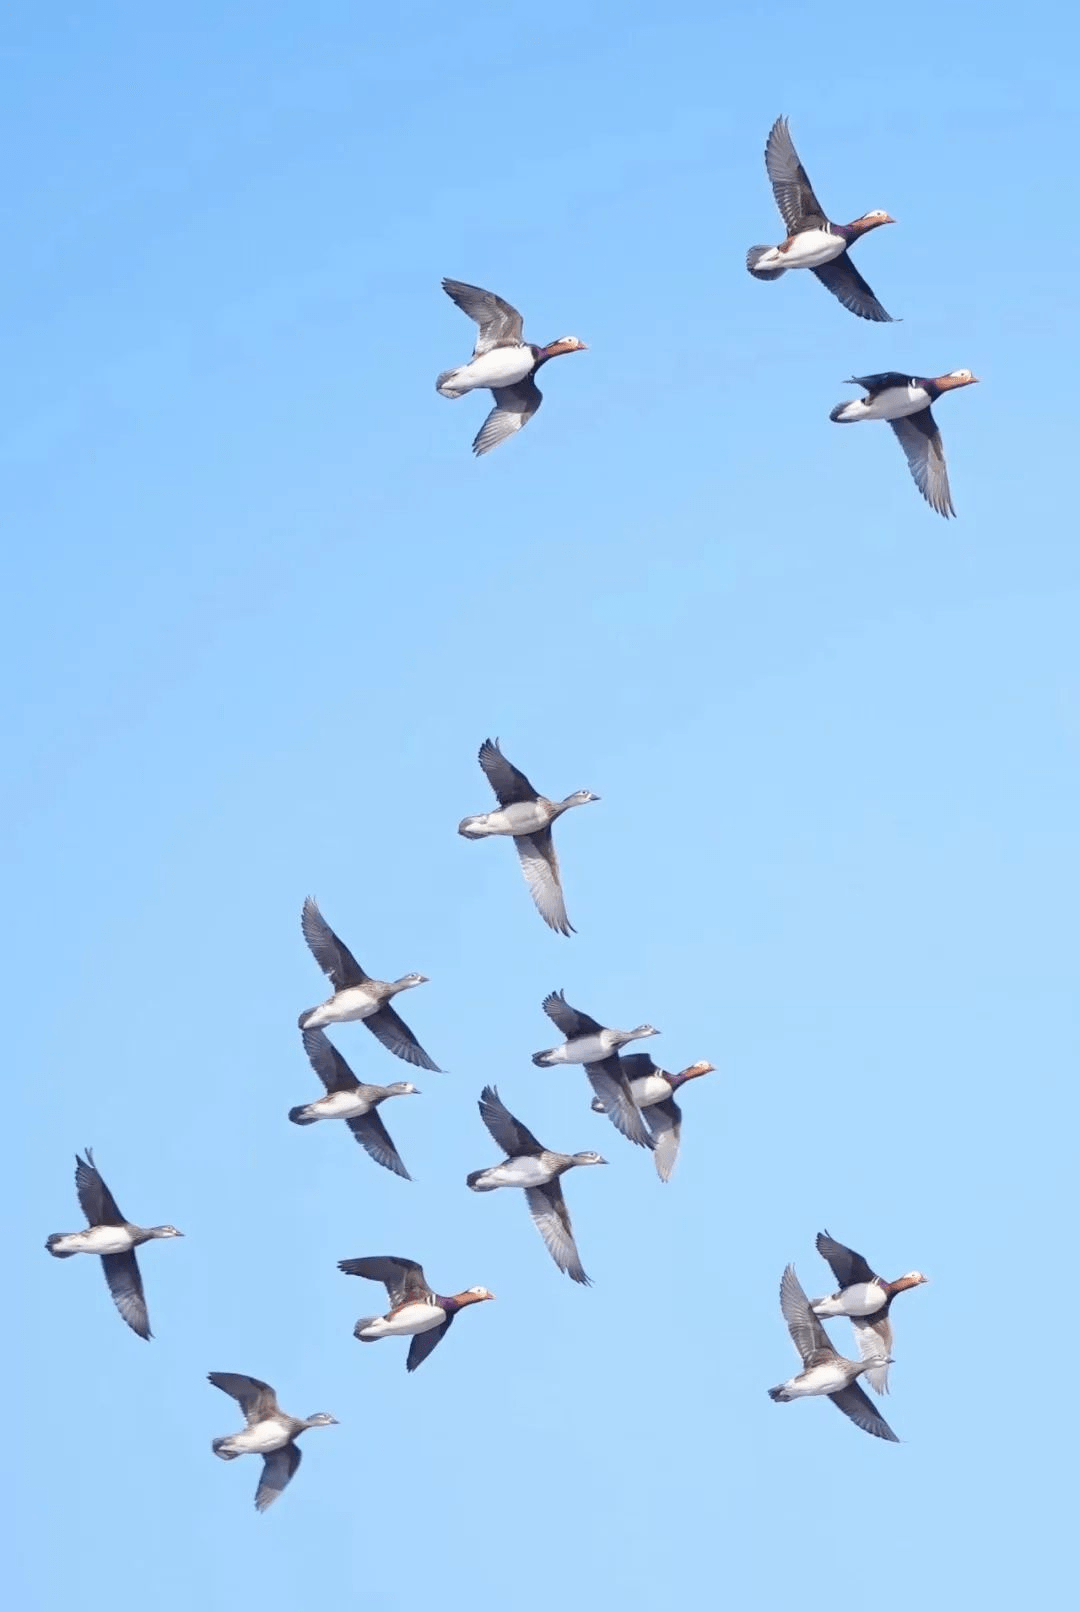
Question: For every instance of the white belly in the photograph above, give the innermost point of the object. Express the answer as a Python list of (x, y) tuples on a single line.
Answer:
[(585, 1049), (260, 1439), (649, 1089), (525, 1172), (807, 251), (502, 366), (863, 1298), (355, 1002), (825, 1379), (892, 404), (340, 1105), (409, 1320), (97, 1240)]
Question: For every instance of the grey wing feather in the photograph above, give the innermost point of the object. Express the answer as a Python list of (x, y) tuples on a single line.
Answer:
[(509, 782), (540, 866), (335, 959), (613, 1089), (424, 1342), (95, 1200), (327, 1062), (854, 1403), (920, 439), (843, 279), (279, 1468), (514, 408), (547, 1206), (255, 1398), (374, 1138), (664, 1120), (807, 1333), (846, 1265), (498, 322), (390, 1028), (509, 1133), (569, 1020), (799, 207), (875, 1339), (403, 1279), (638, 1064), (125, 1284)]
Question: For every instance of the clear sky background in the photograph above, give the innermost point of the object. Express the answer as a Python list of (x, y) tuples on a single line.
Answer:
[(261, 608)]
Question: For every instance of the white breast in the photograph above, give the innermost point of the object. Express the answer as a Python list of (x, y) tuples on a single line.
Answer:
[(862, 1298), (824, 1379), (341, 1105), (355, 1002), (414, 1318), (895, 402), (261, 1438), (810, 250), (649, 1089), (99, 1240), (588, 1048), (502, 366), (524, 1172)]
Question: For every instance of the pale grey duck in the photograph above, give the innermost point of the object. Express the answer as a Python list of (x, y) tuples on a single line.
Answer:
[(527, 816), (114, 1239), (653, 1090), (589, 1043), (536, 1169), (824, 1370), (270, 1432), (356, 994), (351, 1100), (415, 1311)]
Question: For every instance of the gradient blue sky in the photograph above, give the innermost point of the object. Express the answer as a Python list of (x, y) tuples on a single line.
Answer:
[(261, 607)]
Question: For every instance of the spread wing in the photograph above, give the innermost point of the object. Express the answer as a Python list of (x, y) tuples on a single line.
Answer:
[(374, 1138), (807, 1333), (514, 408), (256, 1399), (847, 1266), (874, 1336), (499, 323), (328, 1063), (920, 439), (879, 383), (610, 1084), (96, 1201), (424, 1342), (508, 1133), (854, 1403), (540, 866), (336, 961), (552, 1220), (664, 1120), (279, 1468), (125, 1284), (390, 1028), (799, 207), (509, 783), (403, 1279), (569, 1020), (843, 279)]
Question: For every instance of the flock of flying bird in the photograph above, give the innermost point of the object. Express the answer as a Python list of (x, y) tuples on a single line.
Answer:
[(506, 364), (635, 1094)]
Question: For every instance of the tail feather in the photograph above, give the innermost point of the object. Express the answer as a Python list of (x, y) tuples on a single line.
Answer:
[(540, 1059), (300, 1116), (840, 415), (441, 383), (777, 1395), (58, 1253), (365, 1321), (473, 1177), (598, 1105), (217, 1447), (753, 258)]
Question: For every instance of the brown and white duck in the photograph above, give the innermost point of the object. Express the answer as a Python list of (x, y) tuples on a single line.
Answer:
[(269, 1431), (824, 1371), (812, 241), (904, 400), (114, 1239), (527, 816), (653, 1090), (865, 1299), (357, 995), (588, 1042), (351, 1100), (536, 1169), (415, 1311), (502, 360)]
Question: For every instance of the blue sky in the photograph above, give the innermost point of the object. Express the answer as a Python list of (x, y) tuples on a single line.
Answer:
[(262, 607)]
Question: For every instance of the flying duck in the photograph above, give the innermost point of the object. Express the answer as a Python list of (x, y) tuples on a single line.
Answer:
[(351, 1100), (537, 1169), (904, 400), (824, 1371), (527, 816), (812, 241), (357, 995), (415, 1311), (653, 1090), (865, 1298), (270, 1432), (502, 360), (588, 1042), (112, 1237)]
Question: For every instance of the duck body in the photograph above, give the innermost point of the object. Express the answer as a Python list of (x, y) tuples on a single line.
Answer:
[(904, 401), (344, 1007), (813, 241), (866, 1300), (95, 1240), (407, 1321), (861, 1298), (590, 1043), (530, 1170), (259, 1439), (828, 1378), (351, 1100), (825, 1372), (520, 817), (415, 1312), (587, 1048), (269, 1432), (502, 362), (653, 1090)]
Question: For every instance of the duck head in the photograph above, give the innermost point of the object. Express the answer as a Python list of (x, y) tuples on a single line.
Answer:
[(588, 1158), (403, 1088), (692, 1073), (165, 1231), (321, 1419), (868, 221), (912, 1279), (471, 1295), (407, 981), (955, 377), (555, 349)]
